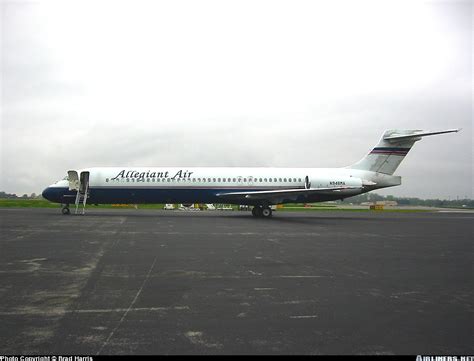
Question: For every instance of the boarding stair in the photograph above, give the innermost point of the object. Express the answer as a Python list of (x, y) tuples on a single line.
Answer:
[(81, 185)]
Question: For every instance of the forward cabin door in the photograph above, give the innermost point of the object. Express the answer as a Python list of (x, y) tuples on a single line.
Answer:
[(73, 180), (78, 182)]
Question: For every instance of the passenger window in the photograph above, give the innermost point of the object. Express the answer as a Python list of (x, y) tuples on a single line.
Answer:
[(223, 179), (284, 180), (233, 180), (218, 179)]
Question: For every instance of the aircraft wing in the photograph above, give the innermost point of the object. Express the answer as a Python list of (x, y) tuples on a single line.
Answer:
[(278, 196)]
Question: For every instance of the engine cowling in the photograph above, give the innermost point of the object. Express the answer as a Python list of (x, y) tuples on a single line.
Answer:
[(334, 182)]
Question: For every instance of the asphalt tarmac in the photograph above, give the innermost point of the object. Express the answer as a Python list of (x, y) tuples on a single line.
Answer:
[(169, 282)]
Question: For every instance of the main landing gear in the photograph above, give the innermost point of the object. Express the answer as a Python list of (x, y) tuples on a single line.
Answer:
[(65, 209), (262, 211)]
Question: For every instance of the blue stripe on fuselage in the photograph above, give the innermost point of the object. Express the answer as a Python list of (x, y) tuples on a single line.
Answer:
[(110, 195), (140, 195), (157, 195)]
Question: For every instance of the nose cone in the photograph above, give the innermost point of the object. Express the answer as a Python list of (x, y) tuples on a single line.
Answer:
[(47, 194)]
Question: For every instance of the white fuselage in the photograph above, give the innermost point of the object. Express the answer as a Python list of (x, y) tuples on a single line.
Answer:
[(259, 187), (192, 184)]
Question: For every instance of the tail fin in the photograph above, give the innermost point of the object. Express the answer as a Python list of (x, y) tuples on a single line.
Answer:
[(391, 149)]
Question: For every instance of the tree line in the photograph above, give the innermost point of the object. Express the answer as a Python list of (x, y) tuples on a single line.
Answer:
[(4, 195), (412, 201)]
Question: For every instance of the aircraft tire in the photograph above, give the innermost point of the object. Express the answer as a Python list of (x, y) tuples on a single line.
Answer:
[(257, 211), (65, 210), (266, 212)]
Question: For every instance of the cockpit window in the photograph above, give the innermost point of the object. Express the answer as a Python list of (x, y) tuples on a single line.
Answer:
[(66, 178)]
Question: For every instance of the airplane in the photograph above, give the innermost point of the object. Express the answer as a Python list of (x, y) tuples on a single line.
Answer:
[(257, 187)]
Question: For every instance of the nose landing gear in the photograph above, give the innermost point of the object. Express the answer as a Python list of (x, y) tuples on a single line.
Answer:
[(262, 211), (65, 209)]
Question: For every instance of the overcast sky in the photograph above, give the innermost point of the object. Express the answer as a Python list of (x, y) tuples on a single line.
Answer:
[(234, 83)]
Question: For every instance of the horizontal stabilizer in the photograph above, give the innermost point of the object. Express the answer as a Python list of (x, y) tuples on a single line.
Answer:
[(397, 137), (392, 148)]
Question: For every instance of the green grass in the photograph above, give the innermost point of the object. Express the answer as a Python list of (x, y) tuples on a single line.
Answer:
[(42, 203), (27, 203), (292, 207)]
